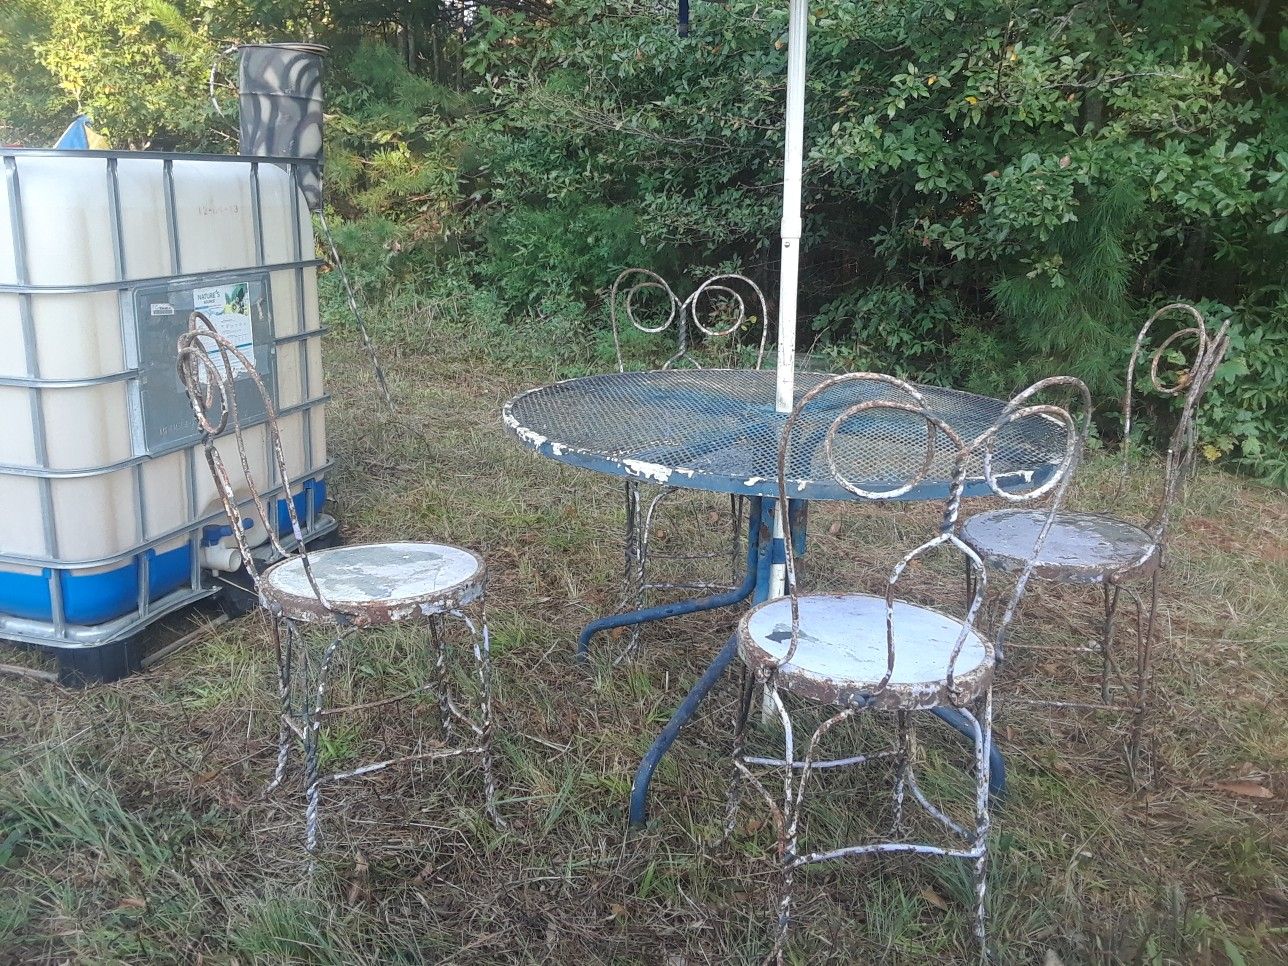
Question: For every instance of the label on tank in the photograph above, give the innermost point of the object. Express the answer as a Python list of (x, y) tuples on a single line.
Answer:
[(239, 305), (227, 309)]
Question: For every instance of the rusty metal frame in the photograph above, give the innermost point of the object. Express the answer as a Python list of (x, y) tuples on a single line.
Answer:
[(970, 695), (1127, 690), (206, 369), (734, 291)]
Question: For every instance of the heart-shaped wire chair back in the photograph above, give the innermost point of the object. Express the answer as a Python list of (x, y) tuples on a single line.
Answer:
[(972, 460), (210, 368), (1183, 364), (721, 308)]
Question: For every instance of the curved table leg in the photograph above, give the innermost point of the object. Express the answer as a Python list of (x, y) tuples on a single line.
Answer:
[(996, 763), (663, 611), (760, 554), (662, 743)]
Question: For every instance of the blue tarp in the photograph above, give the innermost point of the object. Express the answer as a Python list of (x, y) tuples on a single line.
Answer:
[(80, 136)]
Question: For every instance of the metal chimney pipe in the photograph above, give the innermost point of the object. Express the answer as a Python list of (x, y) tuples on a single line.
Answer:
[(280, 89)]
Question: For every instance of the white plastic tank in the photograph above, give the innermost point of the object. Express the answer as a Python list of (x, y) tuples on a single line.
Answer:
[(109, 513)]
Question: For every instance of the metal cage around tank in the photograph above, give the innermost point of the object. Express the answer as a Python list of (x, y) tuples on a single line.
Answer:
[(53, 594)]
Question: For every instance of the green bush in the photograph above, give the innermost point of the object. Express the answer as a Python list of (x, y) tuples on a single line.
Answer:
[(1247, 411), (992, 193), (137, 67)]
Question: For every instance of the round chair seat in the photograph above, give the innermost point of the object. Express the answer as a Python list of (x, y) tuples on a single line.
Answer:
[(375, 583), (841, 655), (1081, 547)]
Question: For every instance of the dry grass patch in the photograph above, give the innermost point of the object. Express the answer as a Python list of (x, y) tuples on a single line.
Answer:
[(132, 824)]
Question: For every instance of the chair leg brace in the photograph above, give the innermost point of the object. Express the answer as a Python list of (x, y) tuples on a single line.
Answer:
[(1122, 691), (308, 723), (795, 778)]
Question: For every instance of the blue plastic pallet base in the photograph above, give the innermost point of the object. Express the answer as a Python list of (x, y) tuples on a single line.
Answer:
[(107, 596), (94, 598), (100, 597)]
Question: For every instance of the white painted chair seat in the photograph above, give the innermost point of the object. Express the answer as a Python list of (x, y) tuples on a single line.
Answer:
[(1081, 547), (842, 657), (376, 583)]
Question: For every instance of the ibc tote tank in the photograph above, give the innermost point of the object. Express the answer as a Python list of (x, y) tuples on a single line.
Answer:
[(108, 516)]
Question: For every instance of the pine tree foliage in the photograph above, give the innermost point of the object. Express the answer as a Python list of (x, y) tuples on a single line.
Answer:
[(1074, 314)]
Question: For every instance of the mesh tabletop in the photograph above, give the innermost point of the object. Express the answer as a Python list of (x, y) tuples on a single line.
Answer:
[(716, 429)]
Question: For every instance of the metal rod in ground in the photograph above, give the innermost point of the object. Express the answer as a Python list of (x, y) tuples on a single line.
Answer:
[(35, 674), (357, 315)]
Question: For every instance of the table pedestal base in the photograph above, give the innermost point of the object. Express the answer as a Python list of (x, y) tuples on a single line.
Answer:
[(715, 601)]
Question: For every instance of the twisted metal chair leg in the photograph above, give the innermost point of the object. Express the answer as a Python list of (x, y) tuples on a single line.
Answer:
[(1144, 649), (642, 548), (787, 835), (637, 542), (1111, 592), (904, 765), (635, 586), (317, 712), (745, 693), (794, 804), (312, 756), (631, 538), (285, 655), (482, 645), (983, 728), (737, 507), (441, 682), (633, 574), (796, 778)]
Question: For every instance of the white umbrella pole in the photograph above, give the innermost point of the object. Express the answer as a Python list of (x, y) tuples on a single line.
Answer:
[(793, 163)]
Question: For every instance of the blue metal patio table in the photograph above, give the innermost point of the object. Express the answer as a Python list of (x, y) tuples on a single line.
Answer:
[(718, 430)]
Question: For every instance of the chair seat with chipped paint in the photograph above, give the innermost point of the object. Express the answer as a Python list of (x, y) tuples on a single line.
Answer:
[(1089, 548), (842, 652), (373, 584)]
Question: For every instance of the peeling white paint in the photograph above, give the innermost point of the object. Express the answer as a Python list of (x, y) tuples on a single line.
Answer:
[(356, 576), (655, 472), (535, 440), (842, 639)]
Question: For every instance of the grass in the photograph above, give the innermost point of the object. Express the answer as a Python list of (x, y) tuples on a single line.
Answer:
[(133, 825)]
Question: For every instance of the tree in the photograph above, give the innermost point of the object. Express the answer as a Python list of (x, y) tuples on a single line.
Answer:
[(137, 67)]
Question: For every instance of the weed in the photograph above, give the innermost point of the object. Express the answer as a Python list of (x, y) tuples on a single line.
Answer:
[(133, 825)]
